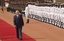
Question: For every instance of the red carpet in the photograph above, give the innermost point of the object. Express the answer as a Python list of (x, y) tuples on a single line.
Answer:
[(7, 33)]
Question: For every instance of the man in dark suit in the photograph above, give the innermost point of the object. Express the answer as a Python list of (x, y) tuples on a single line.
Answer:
[(18, 22)]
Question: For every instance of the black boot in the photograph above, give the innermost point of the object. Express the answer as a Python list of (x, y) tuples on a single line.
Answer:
[(27, 20)]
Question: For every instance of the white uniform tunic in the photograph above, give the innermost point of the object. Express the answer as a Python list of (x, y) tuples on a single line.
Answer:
[(26, 12)]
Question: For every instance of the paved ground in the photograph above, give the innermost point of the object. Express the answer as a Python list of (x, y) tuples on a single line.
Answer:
[(38, 30)]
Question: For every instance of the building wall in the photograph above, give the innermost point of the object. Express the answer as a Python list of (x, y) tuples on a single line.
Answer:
[(2, 2), (62, 1)]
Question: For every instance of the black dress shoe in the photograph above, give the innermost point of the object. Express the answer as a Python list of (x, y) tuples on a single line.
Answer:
[(27, 22), (20, 38), (17, 37)]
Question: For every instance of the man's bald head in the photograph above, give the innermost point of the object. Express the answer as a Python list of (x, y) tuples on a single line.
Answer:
[(17, 12)]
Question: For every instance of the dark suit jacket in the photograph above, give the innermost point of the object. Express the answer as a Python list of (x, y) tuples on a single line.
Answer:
[(18, 21)]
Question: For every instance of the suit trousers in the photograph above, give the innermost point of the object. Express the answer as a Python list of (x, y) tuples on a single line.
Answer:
[(19, 32)]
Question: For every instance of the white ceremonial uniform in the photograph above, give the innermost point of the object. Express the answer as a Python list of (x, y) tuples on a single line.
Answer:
[(26, 12)]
